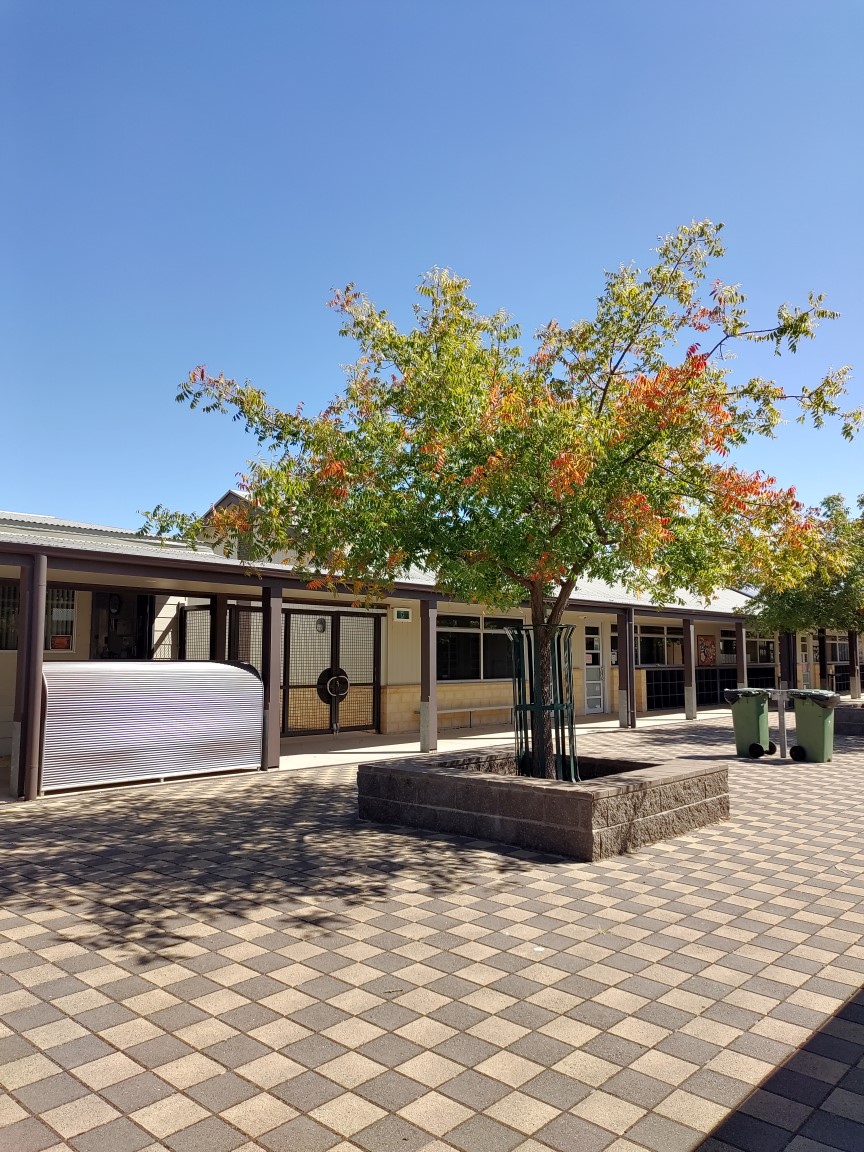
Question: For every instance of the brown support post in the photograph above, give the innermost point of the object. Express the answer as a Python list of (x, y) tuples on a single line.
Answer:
[(631, 666), (627, 669), (854, 667), (271, 673), (689, 668), (218, 627), (18, 762), (823, 659), (36, 598), (741, 653), (788, 642), (428, 676), (623, 662)]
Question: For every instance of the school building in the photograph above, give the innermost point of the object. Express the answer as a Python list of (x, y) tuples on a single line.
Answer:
[(81, 594)]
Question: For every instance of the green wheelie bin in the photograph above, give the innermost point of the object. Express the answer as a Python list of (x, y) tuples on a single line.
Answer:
[(750, 721), (814, 724)]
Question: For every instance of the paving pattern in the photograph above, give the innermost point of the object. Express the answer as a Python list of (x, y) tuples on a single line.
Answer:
[(239, 964)]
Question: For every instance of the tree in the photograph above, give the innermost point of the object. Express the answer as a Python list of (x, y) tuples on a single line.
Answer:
[(832, 594), (603, 454)]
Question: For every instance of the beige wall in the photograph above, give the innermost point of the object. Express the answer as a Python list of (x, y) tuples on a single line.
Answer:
[(165, 628), (400, 647), (7, 700)]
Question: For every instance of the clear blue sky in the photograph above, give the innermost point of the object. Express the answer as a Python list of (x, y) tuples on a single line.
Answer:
[(185, 181)]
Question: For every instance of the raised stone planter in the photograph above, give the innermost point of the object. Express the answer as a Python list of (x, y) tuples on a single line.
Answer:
[(465, 793), (849, 720)]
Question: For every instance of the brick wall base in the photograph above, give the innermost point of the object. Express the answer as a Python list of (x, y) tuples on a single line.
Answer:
[(471, 795)]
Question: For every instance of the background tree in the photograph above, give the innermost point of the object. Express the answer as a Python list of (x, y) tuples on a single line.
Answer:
[(832, 594), (604, 454)]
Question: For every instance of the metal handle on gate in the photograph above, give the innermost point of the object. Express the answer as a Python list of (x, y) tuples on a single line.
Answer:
[(338, 685)]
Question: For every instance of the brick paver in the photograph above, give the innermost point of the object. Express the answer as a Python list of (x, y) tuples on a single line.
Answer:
[(237, 963)]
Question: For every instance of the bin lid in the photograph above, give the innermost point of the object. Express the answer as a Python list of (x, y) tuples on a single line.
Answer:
[(820, 696), (733, 694)]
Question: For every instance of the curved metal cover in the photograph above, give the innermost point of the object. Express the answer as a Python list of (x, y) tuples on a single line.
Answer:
[(113, 722)]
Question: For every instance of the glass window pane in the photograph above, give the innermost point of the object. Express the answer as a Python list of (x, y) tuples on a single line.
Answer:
[(499, 623), (652, 650), (458, 656), (674, 650), (766, 651), (8, 617), (60, 619), (497, 657), (459, 622)]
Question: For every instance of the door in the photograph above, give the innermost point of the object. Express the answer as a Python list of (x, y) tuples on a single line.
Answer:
[(594, 673), (332, 662)]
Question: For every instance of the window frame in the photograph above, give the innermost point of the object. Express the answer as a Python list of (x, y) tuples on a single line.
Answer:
[(665, 634), (479, 626), (56, 600)]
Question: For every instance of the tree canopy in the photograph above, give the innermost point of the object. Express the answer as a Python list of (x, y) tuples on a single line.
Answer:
[(832, 594), (604, 453)]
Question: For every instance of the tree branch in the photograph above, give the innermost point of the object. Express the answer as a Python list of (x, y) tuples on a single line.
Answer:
[(613, 368)]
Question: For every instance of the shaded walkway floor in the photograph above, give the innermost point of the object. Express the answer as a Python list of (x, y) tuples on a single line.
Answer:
[(239, 964)]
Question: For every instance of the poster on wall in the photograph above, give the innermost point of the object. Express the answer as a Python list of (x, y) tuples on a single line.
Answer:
[(61, 643), (706, 648)]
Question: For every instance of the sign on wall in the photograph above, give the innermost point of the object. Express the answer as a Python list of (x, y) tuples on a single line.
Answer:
[(706, 650)]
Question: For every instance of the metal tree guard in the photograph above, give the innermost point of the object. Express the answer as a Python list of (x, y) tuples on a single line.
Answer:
[(528, 706)]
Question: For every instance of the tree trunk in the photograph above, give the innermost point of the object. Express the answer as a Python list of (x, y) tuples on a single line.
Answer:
[(544, 763), (542, 745)]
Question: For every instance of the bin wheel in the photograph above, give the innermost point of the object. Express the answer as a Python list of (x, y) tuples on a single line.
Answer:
[(756, 750), (797, 752), (772, 748)]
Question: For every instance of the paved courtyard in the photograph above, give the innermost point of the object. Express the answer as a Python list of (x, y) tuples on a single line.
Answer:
[(238, 963)]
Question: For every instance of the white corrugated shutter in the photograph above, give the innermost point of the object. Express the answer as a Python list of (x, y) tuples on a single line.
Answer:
[(117, 721)]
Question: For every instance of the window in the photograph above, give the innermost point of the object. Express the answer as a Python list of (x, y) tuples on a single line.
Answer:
[(471, 648), (613, 655), (658, 645), (674, 645), (838, 648), (728, 650), (59, 618), (8, 617), (760, 649)]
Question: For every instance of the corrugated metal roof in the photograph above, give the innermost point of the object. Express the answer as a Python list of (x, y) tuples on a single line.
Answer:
[(724, 600), (36, 520), (70, 534), (22, 528)]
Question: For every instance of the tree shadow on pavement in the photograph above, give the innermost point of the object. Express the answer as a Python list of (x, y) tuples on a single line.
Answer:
[(141, 867)]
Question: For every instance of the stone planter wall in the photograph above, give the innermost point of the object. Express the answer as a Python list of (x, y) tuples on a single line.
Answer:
[(465, 793), (849, 720)]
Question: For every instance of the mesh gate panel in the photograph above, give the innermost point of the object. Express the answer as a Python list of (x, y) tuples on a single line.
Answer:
[(357, 657), (310, 651), (248, 638), (246, 643), (197, 633), (310, 646)]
